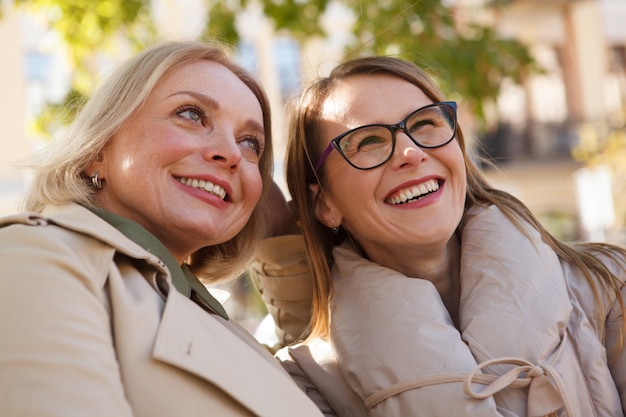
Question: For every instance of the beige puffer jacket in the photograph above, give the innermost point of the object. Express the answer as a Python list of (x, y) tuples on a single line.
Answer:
[(527, 345)]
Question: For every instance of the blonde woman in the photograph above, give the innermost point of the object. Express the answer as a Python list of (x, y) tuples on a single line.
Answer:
[(156, 183)]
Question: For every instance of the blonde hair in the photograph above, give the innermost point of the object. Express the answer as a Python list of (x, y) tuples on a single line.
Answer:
[(60, 178), (304, 148)]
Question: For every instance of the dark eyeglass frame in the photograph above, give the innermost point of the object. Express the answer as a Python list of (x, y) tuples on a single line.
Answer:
[(334, 144)]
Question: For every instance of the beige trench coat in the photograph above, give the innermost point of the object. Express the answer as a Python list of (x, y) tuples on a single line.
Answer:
[(91, 325)]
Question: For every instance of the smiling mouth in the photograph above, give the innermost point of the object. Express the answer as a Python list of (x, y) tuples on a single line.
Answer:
[(414, 193), (207, 186)]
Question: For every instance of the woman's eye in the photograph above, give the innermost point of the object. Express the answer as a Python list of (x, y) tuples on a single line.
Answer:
[(370, 141), (423, 124), (192, 113), (251, 147)]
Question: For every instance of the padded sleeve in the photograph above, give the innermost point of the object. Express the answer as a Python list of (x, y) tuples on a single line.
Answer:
[(281, 274)]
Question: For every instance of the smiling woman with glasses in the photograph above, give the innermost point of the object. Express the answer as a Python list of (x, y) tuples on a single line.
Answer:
[(433, 294)]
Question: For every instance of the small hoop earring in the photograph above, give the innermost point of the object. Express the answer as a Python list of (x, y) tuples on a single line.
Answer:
[(334, 228), (96, 182)]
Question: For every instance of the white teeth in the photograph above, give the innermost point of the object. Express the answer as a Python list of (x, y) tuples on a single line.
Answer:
[(204, 185), (415, 192)]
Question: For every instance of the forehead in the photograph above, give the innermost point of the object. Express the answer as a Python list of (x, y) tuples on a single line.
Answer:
[(213, 80), (375, 98)]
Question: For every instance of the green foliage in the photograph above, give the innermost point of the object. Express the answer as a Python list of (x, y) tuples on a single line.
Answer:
[(221, 22), (89, 29), (56, 115), (604, 144), (469, 61), (300, 18)]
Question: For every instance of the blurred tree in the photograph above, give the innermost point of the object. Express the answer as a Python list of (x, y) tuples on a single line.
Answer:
[(604, 144), (89, 29), (469, 59)]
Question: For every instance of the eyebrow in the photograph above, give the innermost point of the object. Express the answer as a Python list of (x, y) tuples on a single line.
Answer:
[(208, 101), (255, 126)]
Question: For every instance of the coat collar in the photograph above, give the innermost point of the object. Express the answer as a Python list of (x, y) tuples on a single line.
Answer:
[(138, 242)]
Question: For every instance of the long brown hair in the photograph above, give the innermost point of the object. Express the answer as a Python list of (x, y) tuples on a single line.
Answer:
[(304, 148)]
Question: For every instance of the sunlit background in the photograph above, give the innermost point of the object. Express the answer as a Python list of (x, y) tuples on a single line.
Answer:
[(541, 83)]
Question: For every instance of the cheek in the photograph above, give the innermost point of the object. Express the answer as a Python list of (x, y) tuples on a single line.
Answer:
[(352, 190), (460, 175), (455, 161), (253, 186), (452, 157)]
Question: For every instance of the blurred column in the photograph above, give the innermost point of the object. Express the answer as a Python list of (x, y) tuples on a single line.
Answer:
[(14, 145), (179, 19), (321, 55), (254, 27), (595, 202), (585, 60)]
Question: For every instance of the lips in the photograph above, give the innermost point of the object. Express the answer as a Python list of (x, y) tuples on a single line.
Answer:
[(207, 186), (414, 192)]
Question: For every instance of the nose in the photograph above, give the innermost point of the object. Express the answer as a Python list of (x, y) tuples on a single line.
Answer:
[(407, 152), (222, 147)]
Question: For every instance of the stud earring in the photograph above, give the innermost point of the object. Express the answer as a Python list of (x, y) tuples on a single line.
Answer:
[(334, 228), (96, 182)]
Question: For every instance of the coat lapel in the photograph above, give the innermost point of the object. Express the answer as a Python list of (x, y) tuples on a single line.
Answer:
[(202, 344)]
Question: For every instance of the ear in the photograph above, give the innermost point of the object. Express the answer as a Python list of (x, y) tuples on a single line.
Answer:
[(325, 209), (96, 165)]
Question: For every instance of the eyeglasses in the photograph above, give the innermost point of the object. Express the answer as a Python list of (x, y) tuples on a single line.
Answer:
[(370, 146)]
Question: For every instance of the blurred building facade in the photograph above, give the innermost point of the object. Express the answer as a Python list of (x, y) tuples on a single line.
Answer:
[(578, 97), (14, 144)]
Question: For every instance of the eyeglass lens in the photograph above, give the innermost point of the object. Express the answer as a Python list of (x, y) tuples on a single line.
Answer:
[(369, 146)]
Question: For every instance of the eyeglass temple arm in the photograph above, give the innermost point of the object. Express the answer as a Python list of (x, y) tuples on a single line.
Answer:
[(324, 155)]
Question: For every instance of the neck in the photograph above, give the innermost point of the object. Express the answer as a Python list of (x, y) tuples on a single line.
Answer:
[(442, 269), (448, 283)]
